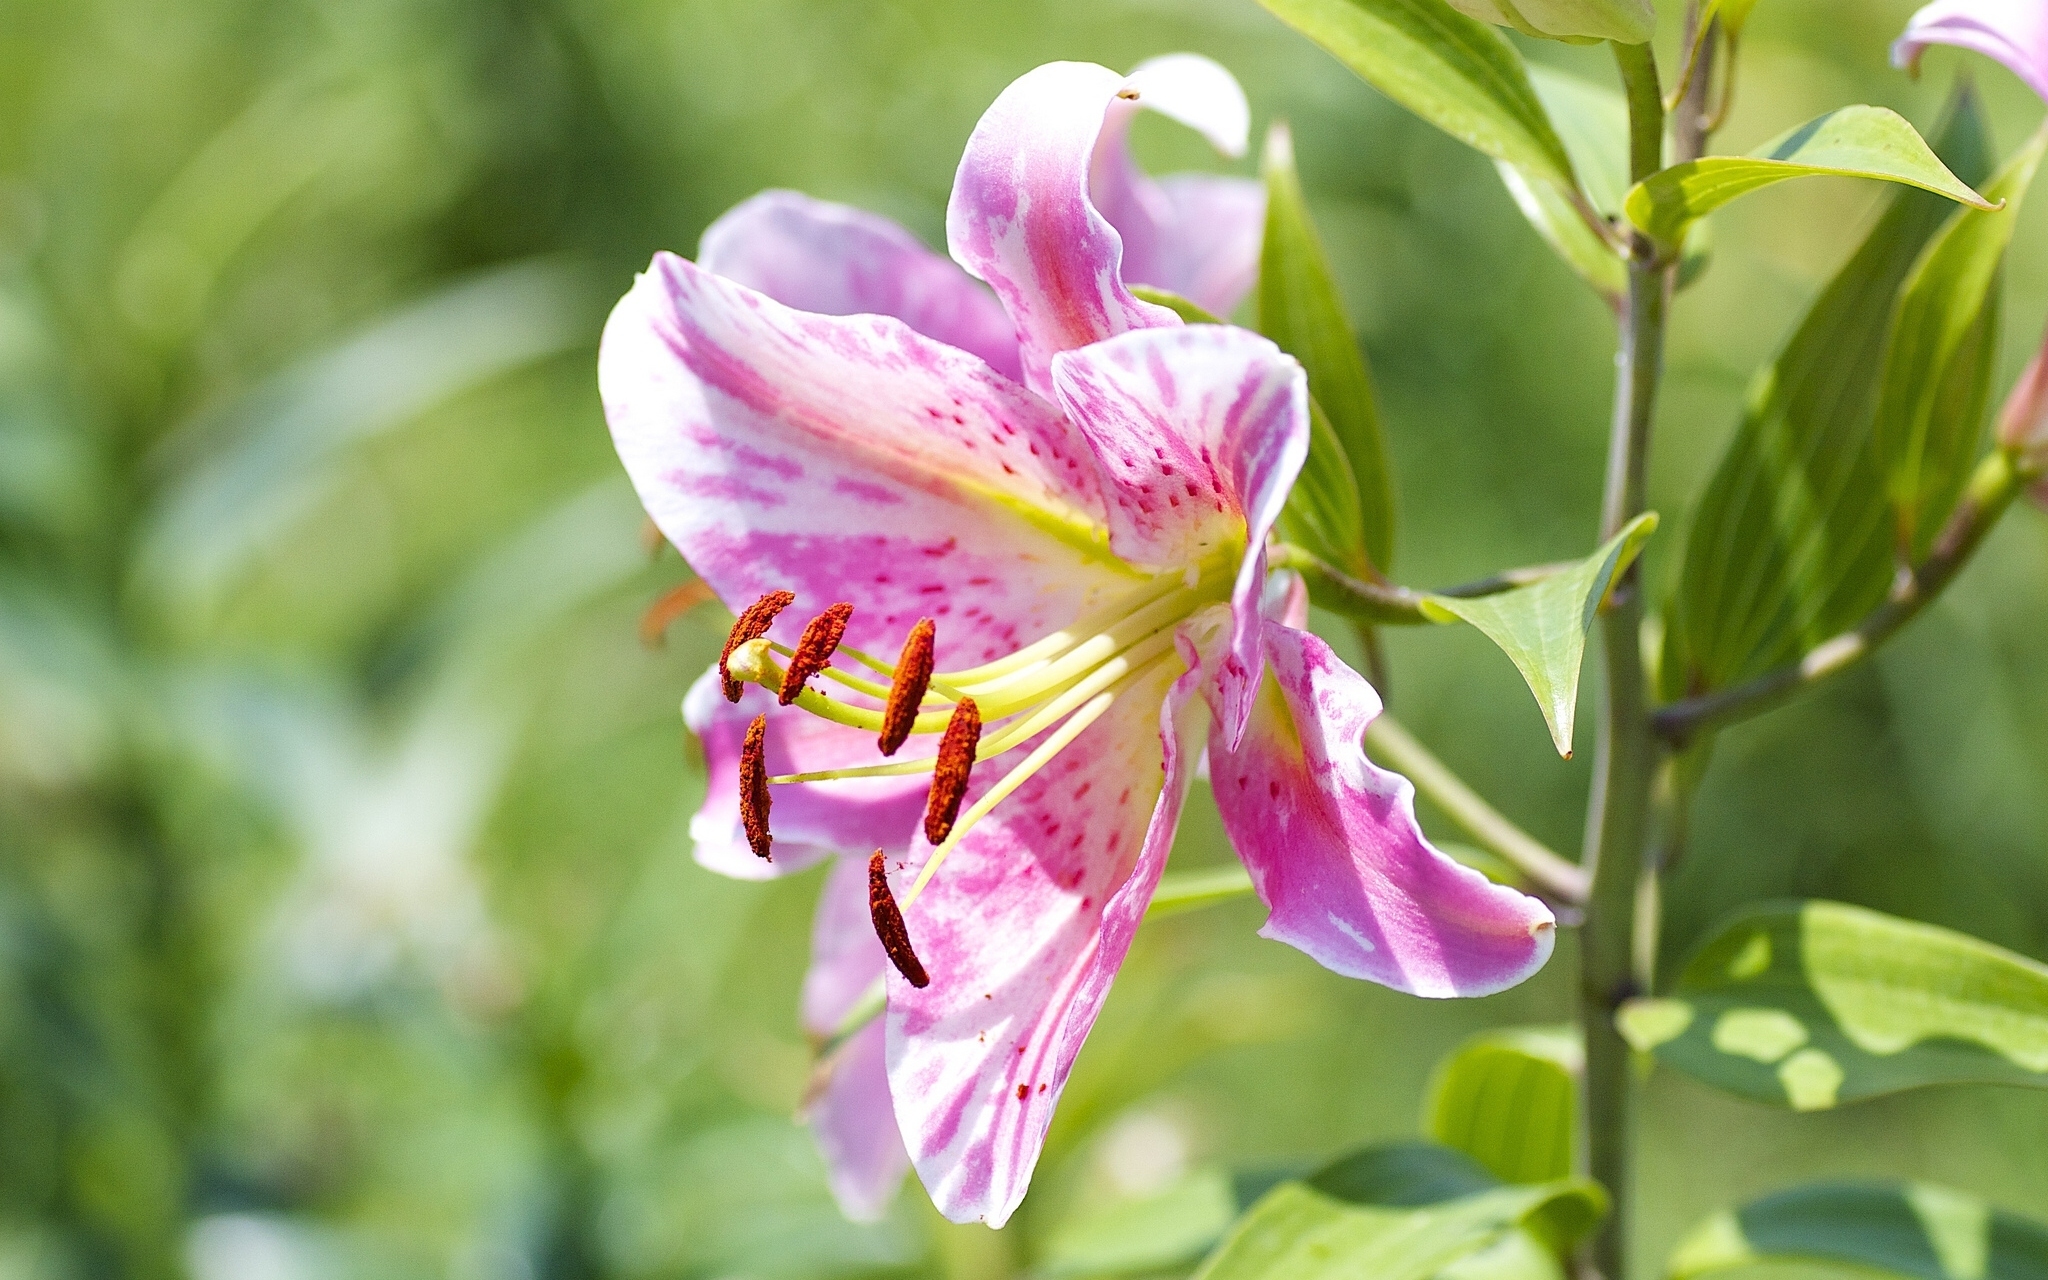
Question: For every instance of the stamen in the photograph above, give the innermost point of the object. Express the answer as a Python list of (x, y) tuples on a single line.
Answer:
[(889, 927), (751, 662), (949, 777), (906, 692), (752, 624), (754, 800), (814, 651)]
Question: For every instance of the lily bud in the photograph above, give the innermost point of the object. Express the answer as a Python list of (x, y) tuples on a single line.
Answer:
[(2023, 422), (1578, 21)]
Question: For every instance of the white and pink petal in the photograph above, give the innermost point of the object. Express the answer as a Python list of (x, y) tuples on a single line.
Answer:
[(851, 458), (2015, 32), (1335, 852), (1022, 930)]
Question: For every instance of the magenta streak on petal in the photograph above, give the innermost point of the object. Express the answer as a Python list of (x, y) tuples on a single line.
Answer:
[(809, 821), (849, 458), (1020, 932), (1020, 216), (1334, 850), (1199, 433), (2015, 32), (835, 260)]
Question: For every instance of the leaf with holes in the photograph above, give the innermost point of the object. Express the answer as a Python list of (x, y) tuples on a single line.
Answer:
[(1509, 1100), (1407, 1211), (1456, 72), (1299, 309), (1943, 351), (1812, 1004), (1854, 142), (1789, 543), (1908, 1229), (1542, 627)]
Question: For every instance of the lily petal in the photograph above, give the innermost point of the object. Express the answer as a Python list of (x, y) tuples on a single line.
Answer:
[(1199, 433), (850, 1117), (2015, 32), (836, 260), (1022, 932), (1335, 852), (850, 458), (1191, 234), (1020, 216), (810, 821)]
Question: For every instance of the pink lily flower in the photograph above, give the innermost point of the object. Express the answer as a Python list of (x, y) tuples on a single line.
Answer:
[(2015, 32), (1065, 533)]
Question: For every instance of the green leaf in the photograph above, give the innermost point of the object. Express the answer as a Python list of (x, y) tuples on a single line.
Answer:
[(1169, 1229), (1509, 1100), (1542, 627), (1349, 508), (1809, 1005), (1458, 73), (1911, 1229), (1854, 142), (1592, 122), (1323, 509), (1407, 1212), (1944, 349), (1789, 543)]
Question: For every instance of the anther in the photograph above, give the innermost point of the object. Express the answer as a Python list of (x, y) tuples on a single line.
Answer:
[(949, 776), (889, 925), (814, 651), (752, 624), (754, 788), (907, 690)]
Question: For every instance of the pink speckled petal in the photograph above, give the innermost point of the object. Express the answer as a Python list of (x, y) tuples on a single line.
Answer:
[(836, 260), (1021, 217), (1022, 931), (2015, 32), (1334, 850), (851, 1120), (1191, 234), (855, 816), (849, 458), (1199, 432)]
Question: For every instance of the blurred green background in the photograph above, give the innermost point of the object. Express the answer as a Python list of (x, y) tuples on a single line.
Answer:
[(347, 921)]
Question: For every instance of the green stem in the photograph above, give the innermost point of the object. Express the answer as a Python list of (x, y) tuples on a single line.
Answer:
[(1551, 874), (1366, 601), (1625, 761), (1992, 488)]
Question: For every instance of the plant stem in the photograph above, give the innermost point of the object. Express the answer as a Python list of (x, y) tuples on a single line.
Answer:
[(1625, 761), (1551, 874), (1383, 603), (1992, 488)]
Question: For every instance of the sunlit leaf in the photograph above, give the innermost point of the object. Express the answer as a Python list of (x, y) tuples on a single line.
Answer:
[(1409, 1211), (1458, 73), (1811, 1004), (1509, 1100), (1299, 308), (1592, 122), (1854, 142), (1789, 543), (1150, 1233), (1911, 1229), (1542, 627), (1943, 351)]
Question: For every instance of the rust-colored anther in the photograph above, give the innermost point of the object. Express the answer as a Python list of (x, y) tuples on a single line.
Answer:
[(754, 788), (949, 777), (814, 652), (752, 624), (907, 690), (889, 924)]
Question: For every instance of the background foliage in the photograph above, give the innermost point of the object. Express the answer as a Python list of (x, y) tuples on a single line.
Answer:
[(347, 925)]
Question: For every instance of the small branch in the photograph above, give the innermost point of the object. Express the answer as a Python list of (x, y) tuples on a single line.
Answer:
[(1992, 489), (1554, 876), (1379, 602)]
